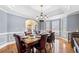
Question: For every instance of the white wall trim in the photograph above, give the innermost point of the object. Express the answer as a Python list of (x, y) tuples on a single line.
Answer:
[(11, 33)]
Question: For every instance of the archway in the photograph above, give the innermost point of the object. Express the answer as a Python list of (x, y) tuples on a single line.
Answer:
[(31, 25)]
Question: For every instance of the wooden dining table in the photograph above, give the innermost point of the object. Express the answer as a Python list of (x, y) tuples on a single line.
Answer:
[(31, 41)]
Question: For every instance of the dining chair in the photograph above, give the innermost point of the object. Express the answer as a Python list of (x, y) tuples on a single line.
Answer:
[(25, 33), (42, 43), (51, 39), (22, 47)]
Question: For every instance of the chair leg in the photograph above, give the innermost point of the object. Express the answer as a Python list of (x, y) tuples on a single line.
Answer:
[(50, 46), (45, 50), (38, 51), (28, 50), (33, 50), (42, 51)]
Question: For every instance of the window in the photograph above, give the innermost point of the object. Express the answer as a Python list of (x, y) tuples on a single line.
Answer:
[(47, 25), (55, 26)]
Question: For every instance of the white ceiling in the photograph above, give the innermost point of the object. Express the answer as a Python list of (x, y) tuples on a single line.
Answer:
[(31, 11)]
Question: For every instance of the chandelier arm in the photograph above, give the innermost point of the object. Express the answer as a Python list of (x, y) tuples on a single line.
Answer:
[(42, 15)]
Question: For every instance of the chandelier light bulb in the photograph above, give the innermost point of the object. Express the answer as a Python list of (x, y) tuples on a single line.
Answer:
[(42, 16)]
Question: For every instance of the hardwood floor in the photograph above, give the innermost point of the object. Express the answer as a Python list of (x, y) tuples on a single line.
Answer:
[(9, 49), (60, 46)]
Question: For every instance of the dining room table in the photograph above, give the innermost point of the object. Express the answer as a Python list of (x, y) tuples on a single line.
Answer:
[(31, 40)]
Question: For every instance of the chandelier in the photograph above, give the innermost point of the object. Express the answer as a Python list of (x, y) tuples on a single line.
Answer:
[(42, 16)]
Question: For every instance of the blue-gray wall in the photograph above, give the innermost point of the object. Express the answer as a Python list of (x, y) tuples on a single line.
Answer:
[(10, 23), (15, 23), (3, 26), (73, 22), (3, 22)]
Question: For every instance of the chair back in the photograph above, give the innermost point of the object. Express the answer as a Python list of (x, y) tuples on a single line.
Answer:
[(25, 33), (51, 38), (43, 41), (36, 32), (20, 44)]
